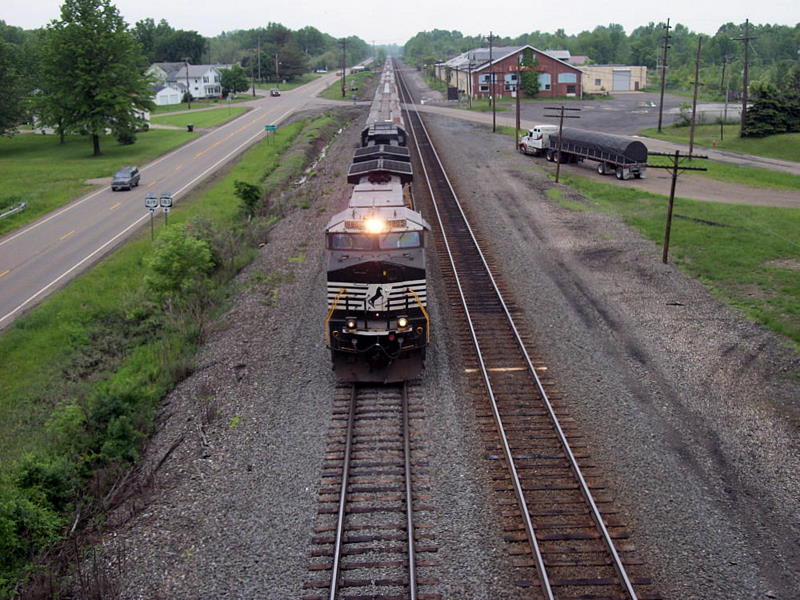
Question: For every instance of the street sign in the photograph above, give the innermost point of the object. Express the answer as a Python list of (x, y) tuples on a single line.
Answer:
[(270, 127), (151, 202)]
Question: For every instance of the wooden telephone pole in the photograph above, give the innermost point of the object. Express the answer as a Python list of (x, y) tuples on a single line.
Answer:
[(694, 96), (663, 73), (675, 168), (561, 116), (746, 39)]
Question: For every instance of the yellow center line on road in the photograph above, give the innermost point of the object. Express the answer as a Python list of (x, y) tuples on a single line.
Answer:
[(6, 272), (66, 235), (152, 183), (179, 167), (115, 206)]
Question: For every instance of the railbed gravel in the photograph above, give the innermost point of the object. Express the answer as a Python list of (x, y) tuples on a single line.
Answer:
[(689, 409)]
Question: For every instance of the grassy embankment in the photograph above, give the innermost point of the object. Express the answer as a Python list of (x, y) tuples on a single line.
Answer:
[(289, 85), (748, 256), (84, 372), (358, 80), (784, 147), (206, 118), (206, 103), (36, 169)]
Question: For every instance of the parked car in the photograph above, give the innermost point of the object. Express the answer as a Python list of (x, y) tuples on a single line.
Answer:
[(274, 92), (125, 179)]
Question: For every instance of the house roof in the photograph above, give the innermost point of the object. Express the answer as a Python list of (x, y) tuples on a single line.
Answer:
[(168, 67), (479, 57), (195, 71)]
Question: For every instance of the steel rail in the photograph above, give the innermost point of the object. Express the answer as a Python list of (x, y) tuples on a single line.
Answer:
[(597, 517), (529, 528), (412, 564), (337, 549)]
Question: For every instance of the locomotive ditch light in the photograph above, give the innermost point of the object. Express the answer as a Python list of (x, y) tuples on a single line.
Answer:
[(374, 225), (402, 322)]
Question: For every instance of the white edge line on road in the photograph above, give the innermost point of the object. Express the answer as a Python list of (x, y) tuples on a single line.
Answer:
[(71, 269), (137, 221), (80, 201)]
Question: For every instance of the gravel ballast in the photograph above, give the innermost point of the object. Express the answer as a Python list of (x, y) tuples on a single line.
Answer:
[(689, 409)]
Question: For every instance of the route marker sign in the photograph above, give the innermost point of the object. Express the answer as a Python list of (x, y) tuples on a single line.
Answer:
[(151, 202)]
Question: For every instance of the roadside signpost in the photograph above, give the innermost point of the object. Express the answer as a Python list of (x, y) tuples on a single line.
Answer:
[(270, 129), (151, 203), (166, 203)]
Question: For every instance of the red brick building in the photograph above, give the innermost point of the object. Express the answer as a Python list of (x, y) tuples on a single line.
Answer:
[(472, 73)]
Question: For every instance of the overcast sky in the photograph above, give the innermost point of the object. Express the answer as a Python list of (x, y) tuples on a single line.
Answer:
[(395, 22)]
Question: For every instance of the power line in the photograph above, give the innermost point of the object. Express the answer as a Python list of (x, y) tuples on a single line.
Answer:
[(663, 72), (746, 39)]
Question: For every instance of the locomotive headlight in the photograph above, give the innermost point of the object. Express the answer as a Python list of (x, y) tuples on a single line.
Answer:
[(351, 323), (402, 322), (374, 225)]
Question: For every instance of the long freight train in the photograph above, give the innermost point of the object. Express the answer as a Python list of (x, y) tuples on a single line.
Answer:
[(377, 326)]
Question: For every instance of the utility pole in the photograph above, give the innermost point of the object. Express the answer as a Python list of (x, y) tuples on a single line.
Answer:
[(694, 96), (188, 89), (746, 39), (561, 116), (491, 85), (723, 85), (675, 167), (343, 42), (516, 93), (469, 83), (663, 73), (277, 73), (259, 58)]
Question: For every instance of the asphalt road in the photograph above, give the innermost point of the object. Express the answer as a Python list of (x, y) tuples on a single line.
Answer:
[(46, 254)]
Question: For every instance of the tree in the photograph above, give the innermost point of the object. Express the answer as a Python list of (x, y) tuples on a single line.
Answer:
[(234, 80), (529, 79), (250, 195), (772, 112), (10, 92), (92, 69)]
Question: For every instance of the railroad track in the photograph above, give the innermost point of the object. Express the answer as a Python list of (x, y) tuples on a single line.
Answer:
[(562, 529), (367, 543)]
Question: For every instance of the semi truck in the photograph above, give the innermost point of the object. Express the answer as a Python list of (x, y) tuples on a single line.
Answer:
[(615, 155)]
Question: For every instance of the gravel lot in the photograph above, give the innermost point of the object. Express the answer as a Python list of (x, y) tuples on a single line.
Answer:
[(689, 409)]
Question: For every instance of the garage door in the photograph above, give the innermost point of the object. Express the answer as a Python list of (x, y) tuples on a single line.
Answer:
[(622, 81)]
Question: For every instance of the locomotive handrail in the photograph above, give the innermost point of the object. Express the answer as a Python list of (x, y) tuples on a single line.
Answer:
[(424, 313), (342, 291)]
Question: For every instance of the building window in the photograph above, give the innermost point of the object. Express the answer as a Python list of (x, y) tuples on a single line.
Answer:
[(567, 78), (484, 88), (571, 89), (598, 82), (544, 81), (205, 78)]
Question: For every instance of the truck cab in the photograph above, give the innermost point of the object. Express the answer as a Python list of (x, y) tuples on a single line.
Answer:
[(536, 139)]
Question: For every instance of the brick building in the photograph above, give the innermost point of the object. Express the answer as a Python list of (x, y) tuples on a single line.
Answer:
[(472, 73)]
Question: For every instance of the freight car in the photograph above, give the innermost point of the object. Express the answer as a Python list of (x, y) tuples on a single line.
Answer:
[(377, 326)]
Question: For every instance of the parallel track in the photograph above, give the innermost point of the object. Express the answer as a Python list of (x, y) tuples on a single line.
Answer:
[(372, 484), (559, 525)]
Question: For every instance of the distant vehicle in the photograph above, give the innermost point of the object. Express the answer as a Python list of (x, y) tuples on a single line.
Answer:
[(125, 179), (615, 155), (274, 92), (338, 73), (535, 141), (321, 71)]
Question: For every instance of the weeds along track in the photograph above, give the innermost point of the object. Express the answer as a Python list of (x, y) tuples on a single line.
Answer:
[(562, 529), (372, 540)]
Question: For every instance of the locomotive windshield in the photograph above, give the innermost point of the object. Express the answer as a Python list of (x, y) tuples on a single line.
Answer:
[(386, 241)]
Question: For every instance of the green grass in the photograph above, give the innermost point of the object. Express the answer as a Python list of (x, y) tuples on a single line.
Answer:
[(359, 80), (38, 170), (785, 146), (483, 105), (83, 373), (206, 118), (730, 173), (205, 103), (749, 256), (290, 85)]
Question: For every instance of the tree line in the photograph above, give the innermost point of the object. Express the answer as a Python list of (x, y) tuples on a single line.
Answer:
[(85, 72), (773, 58)]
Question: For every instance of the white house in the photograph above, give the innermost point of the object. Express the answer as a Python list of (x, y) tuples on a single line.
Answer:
[(203, 81)]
